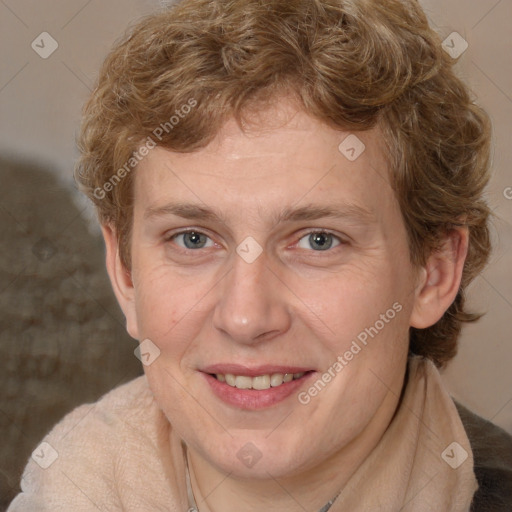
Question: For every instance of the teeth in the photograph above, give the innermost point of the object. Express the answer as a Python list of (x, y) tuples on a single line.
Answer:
[(242, 382), (276, 379), (260, 382)]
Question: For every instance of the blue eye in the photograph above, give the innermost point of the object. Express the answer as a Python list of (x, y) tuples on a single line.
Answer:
[(192, 240), (320, 241)]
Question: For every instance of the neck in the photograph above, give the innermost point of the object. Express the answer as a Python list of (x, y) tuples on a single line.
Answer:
[(312, 489)]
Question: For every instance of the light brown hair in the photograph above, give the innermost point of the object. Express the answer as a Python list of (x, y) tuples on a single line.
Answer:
[(351, 63)]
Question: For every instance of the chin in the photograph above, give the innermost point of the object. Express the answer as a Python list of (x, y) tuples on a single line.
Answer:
[(255, 456)]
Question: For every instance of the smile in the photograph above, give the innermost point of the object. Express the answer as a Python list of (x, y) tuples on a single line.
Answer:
[(255, 388)]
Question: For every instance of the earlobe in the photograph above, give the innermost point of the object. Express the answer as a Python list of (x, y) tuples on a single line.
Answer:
[(121, 280), (440, 279)]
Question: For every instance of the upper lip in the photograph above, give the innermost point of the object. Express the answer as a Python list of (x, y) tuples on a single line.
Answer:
[(253, 371)]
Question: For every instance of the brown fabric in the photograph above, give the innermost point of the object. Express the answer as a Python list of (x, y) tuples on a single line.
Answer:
[(62, 336), (492, 453)]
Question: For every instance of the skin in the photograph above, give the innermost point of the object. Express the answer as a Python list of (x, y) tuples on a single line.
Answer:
[(294, 305)]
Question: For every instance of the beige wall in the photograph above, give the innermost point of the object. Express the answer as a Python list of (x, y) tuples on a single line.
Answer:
[(40, 101)]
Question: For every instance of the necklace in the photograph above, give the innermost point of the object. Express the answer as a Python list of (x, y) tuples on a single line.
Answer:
[(192, 502)]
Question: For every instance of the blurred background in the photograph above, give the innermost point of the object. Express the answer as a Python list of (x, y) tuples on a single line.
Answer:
[(62, 336)]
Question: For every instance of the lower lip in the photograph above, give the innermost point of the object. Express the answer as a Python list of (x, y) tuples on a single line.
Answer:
[(253, 399)]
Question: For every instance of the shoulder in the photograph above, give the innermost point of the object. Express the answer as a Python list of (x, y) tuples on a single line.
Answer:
[(117, 412), (88, 457), (492, 453)]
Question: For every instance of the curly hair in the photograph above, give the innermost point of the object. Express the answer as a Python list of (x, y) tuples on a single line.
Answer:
[(352, 64)]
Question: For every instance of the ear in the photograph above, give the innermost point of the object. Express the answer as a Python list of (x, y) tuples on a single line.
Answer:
[(121, 281), (440, 279)]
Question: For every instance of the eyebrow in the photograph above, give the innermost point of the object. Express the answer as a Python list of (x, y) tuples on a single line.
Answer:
[(307, 212)]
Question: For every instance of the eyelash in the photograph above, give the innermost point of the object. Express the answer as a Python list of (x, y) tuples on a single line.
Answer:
[(341, 241)]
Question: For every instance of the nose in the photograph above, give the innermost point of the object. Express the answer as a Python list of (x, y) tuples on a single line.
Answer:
[(252, 305)]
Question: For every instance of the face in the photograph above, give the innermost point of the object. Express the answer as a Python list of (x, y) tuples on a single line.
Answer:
[(271, 252)]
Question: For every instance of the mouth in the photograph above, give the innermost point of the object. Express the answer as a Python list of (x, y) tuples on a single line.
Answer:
[(255, 388)]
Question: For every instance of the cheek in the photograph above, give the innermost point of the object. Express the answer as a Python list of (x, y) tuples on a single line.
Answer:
[(347, 301), (168, 305), (368, 327)]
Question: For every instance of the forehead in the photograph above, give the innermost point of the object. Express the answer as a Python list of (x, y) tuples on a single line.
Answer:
[(285, 158)]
